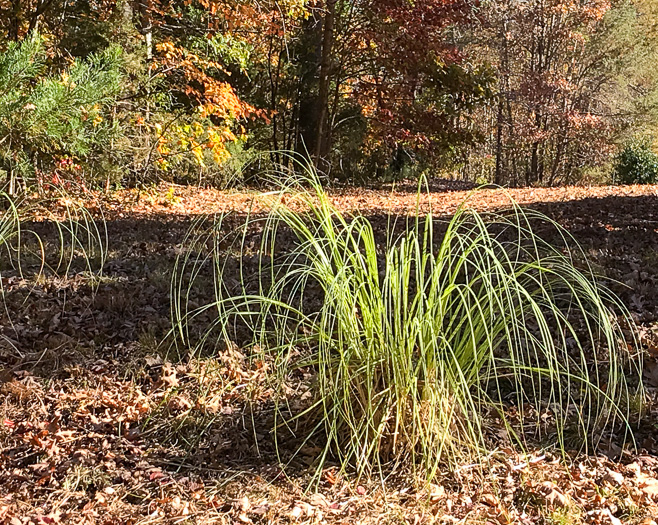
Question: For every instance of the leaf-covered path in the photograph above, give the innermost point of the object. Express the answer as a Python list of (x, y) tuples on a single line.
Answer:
[(100, 424), (443, 197)]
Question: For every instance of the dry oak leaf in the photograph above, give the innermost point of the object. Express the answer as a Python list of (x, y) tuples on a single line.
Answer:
[(649, 486), (553, 495), (296, 513), (319, 500), (243, 504), (16, 389), (614, 478), (489, 499), (436, 492), (179, 403), (603, 517), (169, 375)]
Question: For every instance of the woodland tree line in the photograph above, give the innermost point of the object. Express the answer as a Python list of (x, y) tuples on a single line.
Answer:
[(517, 92)]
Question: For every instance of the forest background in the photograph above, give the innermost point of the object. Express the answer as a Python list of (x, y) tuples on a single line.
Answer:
[(513, 92)]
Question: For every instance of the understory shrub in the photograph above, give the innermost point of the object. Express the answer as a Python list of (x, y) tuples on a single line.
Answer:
[(636, 164), (416, 342)]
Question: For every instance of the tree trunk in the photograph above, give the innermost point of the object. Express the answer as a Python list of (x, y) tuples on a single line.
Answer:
[(498, 177), (322, 144), (14, 21)]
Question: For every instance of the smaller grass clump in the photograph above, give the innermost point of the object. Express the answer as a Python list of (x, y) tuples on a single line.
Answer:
[(79, 242), (415, 343)]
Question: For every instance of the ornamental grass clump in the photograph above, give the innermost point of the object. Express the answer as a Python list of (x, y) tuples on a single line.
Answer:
[(415, 343)]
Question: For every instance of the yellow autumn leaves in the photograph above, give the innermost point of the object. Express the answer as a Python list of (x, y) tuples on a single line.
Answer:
[(196, 139)]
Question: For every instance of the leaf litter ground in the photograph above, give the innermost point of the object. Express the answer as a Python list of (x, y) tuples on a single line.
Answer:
[(101, 425)]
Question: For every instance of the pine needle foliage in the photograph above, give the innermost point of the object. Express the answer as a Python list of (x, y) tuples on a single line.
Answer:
[(46, 115), (418, 344)]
